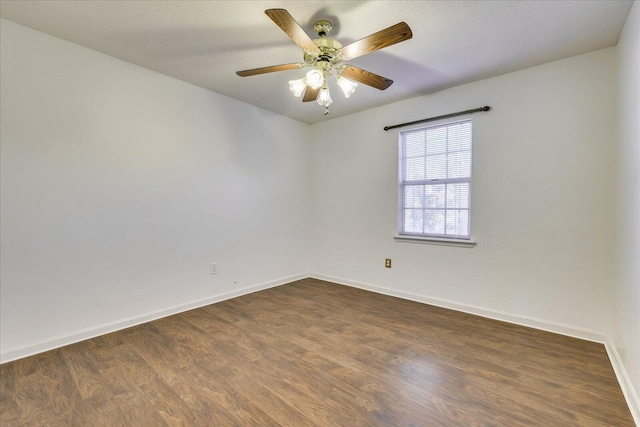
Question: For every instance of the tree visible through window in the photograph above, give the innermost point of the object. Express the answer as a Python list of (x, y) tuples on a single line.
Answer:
[(435, 181)]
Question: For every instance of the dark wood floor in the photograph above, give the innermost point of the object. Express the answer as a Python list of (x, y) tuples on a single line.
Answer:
[(313, 353)]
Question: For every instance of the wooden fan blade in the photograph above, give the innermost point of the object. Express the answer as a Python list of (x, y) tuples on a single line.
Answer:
[(366, 77), (270, 69), (387, 37), (310, 94), (284, 20)]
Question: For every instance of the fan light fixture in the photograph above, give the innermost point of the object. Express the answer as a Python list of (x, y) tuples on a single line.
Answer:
[(298, 86), (315, 79), (323, 97), (347, 86)]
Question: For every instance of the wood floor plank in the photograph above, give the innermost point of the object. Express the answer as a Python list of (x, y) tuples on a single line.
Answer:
[(313, 353)]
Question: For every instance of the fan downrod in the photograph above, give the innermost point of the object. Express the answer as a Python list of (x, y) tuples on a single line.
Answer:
[(322, 27)]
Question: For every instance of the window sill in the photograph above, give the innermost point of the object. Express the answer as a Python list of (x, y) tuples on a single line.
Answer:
[(463, 243)]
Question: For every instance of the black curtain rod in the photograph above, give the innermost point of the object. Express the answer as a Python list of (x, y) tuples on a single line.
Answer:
[(446, 116)]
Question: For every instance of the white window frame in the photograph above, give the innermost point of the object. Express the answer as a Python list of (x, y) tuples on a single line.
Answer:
[(441, 239)]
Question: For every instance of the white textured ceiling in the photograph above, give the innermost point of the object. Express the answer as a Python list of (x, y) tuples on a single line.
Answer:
[(205, 42)]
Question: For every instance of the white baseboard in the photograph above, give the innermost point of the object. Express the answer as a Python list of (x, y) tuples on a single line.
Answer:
[(84, 334), (625, 382), (544, 325)]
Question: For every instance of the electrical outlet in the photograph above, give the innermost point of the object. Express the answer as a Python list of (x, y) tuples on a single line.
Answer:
[(213, 268), (387, 262)]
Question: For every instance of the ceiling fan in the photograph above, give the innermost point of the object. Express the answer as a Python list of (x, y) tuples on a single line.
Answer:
[(325, 56)]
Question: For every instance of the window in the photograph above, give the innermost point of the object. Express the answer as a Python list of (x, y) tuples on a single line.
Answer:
[(435, 181)]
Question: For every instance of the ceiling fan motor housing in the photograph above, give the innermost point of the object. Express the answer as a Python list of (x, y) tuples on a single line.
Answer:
[(329, 52)]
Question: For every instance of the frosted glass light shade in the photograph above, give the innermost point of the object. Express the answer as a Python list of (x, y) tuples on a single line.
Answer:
[(347, 86), (323, 97), (298, 86), (315, 79)]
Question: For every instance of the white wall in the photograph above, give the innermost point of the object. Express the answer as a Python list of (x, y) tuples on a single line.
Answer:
[(625, 334), (541, 206), (121, 185)]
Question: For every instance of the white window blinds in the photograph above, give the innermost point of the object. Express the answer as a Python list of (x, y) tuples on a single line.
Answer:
[(435, 181)]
